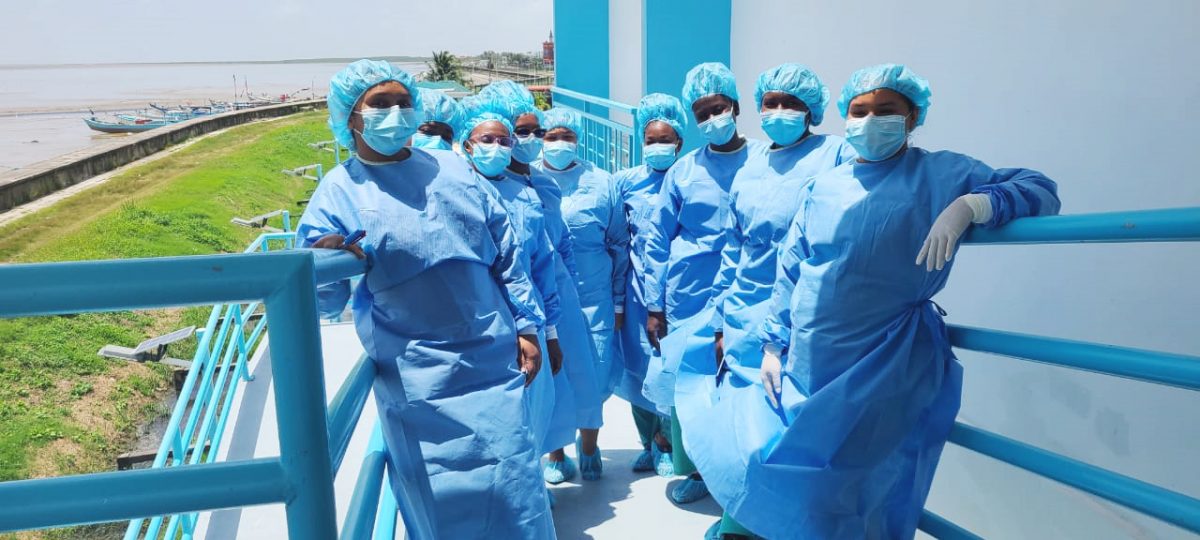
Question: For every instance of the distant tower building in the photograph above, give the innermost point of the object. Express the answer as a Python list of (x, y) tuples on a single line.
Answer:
[(548, 51)]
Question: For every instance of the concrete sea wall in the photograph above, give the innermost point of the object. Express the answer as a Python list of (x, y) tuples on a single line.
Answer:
[(46, 177)]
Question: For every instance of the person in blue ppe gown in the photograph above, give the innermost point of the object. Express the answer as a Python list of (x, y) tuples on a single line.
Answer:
[(524, 114), (763, 200), (576, 341), (661, 119), (445, 309), (685, 237), (595, 213), (858, 386), (485, 136), (441, 115)]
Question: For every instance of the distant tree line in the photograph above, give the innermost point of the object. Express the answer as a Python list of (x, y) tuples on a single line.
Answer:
[(444, 66)]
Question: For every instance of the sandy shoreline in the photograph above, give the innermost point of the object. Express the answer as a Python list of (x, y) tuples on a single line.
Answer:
[(198, 100)]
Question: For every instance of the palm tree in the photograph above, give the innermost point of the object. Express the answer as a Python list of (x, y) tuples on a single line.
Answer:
[(444, 67)]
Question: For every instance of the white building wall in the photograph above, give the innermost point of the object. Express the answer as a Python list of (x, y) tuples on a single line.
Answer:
[(1099, 95), (625, 54)]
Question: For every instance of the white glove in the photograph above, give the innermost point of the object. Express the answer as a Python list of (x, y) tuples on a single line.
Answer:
[(950, 225), (771, 373)]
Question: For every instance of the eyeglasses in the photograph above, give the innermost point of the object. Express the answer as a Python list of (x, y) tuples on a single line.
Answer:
[(507, 142), (525, 132)]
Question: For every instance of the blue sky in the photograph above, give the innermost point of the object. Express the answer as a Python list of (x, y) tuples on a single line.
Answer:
[(91, 31)]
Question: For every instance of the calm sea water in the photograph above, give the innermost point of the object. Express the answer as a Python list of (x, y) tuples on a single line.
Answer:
[(42, 107)]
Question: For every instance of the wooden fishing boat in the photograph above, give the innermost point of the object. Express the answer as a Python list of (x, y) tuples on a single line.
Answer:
[(122, 126)]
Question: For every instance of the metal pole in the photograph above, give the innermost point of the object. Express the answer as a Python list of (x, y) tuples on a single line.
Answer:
[(295, 341)]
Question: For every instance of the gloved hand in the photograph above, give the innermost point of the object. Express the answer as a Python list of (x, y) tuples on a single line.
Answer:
[(656, 327), (772, 375), (529, 357), (619, 322), (556, 355), (943, 236), (336, 241)]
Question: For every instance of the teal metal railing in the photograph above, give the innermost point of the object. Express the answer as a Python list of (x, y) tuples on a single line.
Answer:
[(208, 391), (1166, 225), (164, 501), (608, 144), (300, 477), (374, 505)]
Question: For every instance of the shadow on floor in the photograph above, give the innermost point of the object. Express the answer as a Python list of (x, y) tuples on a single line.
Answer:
[(706, 506), (587, 510)]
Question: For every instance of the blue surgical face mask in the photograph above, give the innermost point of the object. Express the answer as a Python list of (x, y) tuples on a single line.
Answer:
[(877, 138), (719, 129), (387, 130), (527, 149), (659, 157), (784, 126), (490, 159), (432, 142), (559, 154)]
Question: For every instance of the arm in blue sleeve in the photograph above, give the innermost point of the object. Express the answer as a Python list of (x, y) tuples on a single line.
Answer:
[(566, 249), (543, 278), (777, 328), (1015, 193), (662, 228), (322, 217), (616, 237), (730, 256), (507, 269)]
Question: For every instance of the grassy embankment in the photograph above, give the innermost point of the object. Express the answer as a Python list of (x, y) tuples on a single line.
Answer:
[(65, 410)]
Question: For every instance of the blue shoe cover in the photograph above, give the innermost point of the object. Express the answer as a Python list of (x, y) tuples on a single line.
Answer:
[(591, 466), (663, 464), (713, 532), (644, 462), (689, 491), (557, 472)]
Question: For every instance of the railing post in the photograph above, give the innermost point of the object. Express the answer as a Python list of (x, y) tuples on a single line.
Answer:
[(295, 341), (385, 521)]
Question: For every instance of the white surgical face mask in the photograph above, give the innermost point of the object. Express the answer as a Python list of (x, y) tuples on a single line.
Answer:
[(877, 138), (659, 156), (559, 154), (719, 129)]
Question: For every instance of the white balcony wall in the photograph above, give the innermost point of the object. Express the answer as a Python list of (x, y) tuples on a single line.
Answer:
[(1098, 95), (625, 54)]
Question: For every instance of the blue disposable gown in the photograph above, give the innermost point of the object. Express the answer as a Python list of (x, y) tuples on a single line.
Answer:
[(595, 214), (579, 354), (438, 310), (684, 237), (870, 387), (764, 198), (551, 403), (638, 187)]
